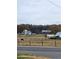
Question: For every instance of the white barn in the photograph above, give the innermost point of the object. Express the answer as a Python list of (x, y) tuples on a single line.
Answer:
[(50, 35), (57, 35), (46, 31), (26, 32)]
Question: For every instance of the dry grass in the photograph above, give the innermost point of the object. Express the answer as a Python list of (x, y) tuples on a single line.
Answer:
[(54, 43), (30, 57), (38, 41)]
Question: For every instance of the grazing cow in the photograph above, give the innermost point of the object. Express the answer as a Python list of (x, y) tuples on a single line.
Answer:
[(22, 39)]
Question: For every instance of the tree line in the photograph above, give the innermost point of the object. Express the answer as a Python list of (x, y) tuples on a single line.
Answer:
[(38, 28)]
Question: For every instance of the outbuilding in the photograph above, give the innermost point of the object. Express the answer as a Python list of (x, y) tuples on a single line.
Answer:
[(26, 32)]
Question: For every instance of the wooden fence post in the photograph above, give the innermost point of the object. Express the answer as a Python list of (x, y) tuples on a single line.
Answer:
[(29, 43), (55, 43), (42, 42)]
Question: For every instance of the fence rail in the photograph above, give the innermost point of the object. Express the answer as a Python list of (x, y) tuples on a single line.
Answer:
[(54, 43)]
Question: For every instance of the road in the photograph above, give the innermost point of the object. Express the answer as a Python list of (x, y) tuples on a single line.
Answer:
[(52, 52)]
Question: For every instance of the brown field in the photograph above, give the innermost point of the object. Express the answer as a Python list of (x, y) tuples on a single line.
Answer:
[(28, 56), (37, 41)]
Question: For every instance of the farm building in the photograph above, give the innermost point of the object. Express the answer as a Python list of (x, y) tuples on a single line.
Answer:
[(26, 32), (57, 35), (51, 36), (46, 31)]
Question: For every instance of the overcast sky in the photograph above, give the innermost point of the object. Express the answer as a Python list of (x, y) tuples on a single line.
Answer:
[(38, 12)]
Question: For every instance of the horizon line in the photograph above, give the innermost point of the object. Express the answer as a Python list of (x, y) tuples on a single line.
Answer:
[(39, 24)]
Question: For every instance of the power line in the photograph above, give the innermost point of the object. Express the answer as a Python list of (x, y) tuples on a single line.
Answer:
[(54, 4)]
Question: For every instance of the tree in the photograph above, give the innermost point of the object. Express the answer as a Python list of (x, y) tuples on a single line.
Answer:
[(38, 28)]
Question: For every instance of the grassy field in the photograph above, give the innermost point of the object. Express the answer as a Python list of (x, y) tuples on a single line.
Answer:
[(37, 40), (54, 43), (28, 56), (34, 35), (23, 56)]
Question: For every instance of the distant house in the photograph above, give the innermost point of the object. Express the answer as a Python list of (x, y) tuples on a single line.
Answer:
[(57, 35), (26, 32), (46, 31), (51, 36)]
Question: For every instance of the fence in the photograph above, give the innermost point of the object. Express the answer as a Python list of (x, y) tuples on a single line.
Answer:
[(42, 42)]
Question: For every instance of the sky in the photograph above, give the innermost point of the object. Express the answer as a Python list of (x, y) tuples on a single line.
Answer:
[(38, 12)]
